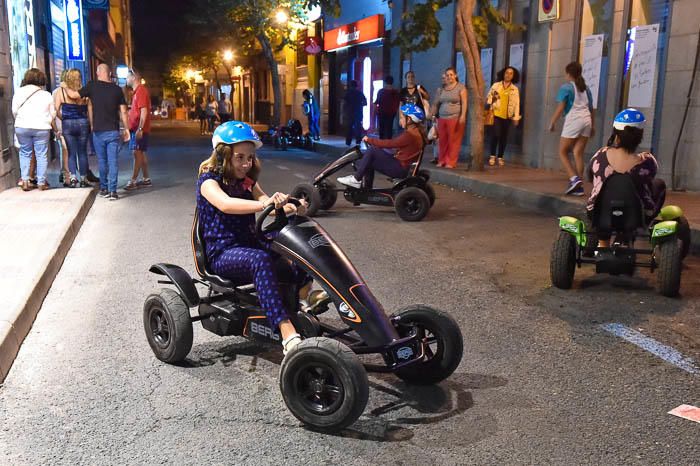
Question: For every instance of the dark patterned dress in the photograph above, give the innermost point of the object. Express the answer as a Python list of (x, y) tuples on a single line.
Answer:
[(234, 252)]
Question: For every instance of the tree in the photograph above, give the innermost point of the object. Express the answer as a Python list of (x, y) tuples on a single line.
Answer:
[(420, 32)]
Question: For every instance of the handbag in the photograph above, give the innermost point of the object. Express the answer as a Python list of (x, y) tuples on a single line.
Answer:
[(488, 117), (433, 133)]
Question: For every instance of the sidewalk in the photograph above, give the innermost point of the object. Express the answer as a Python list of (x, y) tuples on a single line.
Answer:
[(36, 231), (528, 188)]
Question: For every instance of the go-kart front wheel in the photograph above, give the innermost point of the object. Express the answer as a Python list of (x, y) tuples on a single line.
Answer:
[(562, 261), (310, 194), (324, 384), (328, 191), (168, 326), (442, 340), (684, 235), (430, 191), (669, 260), (412, 204)]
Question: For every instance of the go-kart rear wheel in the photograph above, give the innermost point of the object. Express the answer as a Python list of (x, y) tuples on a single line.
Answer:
[(684, 235), (412, 204), (324, 384), (443, 344), (562, 261), (168, 326), (328, 192), (669, 261), (430, 191), (310, 194)]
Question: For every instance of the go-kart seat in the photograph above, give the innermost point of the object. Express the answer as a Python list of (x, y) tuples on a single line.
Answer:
[(200, 257), (618, 208), (413, 167)]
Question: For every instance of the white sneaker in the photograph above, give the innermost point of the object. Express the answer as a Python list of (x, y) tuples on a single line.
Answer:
[(349, 180), (288, 344)]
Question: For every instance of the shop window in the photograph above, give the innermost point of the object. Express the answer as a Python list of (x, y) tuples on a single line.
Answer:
[(645, 59)]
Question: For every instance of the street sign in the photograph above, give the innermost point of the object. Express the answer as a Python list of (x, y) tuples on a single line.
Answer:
[(548, 10), (74, 30), (365, 30)]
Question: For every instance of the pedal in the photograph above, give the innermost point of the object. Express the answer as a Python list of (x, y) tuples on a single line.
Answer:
[(318, 302)]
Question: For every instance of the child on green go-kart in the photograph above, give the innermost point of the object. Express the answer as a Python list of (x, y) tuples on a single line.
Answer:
[(228, 196), (620, 156)]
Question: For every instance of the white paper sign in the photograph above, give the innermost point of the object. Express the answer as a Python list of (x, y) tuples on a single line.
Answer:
[(487, 65), (643, 70), (461, 68), (516, 57), (592, 60)]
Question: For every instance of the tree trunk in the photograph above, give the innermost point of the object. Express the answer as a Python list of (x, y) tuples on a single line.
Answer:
[(475, 79), (215, 69), (274, 72)]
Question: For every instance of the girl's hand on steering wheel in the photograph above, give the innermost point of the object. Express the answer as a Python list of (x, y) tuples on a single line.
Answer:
[(301, 210), (278, 199)]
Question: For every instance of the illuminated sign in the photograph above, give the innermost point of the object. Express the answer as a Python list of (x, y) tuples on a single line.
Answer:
[(548, 10), (74, 30), (359, 32)]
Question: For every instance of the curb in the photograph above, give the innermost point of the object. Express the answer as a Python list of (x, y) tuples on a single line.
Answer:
[(525, 199), (12, 334)]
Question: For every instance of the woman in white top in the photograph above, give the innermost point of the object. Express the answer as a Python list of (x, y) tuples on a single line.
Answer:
[(34, 113), (576, 102)]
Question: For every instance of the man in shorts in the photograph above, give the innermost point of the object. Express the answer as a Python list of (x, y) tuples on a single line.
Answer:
[(140, 128)]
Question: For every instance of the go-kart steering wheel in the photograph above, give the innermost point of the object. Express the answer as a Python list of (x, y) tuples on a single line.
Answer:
[(280, 222)]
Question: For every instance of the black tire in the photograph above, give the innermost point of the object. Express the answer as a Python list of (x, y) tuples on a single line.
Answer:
[(425, 174), (446, 345), (324, 384), (310, 194), (430, 191), (168, 325), (684, 235), (308, 143), (412, 204), (284, 143), (669, 262), (278, 143), (562, 261), (328, 191)]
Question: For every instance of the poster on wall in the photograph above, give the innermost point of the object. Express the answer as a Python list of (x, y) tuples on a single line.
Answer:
[(516, 56), (592, 61), (74, 30), (645, 40), (548, 10), (487, 65), (21, 30)]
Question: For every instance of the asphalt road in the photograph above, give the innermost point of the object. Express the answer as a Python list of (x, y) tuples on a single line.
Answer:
[(540, 382)]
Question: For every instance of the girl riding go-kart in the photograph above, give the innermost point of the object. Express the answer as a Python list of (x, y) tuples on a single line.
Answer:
[(391, 157), (228, 196)]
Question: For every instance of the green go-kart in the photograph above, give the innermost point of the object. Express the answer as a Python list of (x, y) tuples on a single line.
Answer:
[(619, 214)]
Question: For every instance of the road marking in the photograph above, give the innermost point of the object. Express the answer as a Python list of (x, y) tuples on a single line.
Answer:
[(300, 176), (688, 412), (660, 350), (282, 167)]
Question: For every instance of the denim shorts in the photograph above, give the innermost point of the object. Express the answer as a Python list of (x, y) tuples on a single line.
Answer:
[(141, 145)]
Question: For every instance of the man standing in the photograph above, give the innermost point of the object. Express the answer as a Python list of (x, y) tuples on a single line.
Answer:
[(140, 129), (108, 106), (225, 108), (354, 100), (387, 104)]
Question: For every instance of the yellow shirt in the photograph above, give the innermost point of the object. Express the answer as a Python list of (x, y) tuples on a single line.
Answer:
[(501, 111)]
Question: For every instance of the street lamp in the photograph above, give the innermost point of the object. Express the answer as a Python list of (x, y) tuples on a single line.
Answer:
[(228, 55), (281, 16)]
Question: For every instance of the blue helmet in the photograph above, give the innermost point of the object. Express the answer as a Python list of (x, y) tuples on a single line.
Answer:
[(629, 117), (414, 112), (233, 132)]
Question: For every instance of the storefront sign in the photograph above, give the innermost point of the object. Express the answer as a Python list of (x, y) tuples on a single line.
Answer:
[(592, 60), (96, 4), (516, 56), (312, 45), (74, 30), (645, 41), (548, 10), (20, 17), (359, 32)]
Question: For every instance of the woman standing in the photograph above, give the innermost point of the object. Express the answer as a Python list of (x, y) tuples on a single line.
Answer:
[(212, 113), (34, 113), (75, 127), (504, 100), (414, 94), (576, 103), (202, 115), (311, 110), (451, 105)]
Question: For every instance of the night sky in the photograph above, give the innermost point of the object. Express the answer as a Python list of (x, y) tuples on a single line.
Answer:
[(158, 31)]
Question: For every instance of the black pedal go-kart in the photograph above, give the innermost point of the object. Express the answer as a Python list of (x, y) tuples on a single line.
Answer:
[(323, 380), (291, 135), (411, 197), (619, 214)]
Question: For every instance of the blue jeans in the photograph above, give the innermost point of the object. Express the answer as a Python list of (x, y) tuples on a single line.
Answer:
[(107, 148), (37, 141), (76, 132)]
